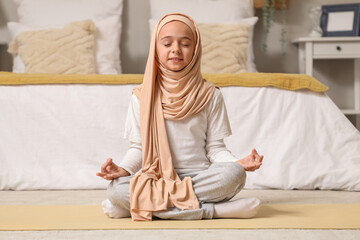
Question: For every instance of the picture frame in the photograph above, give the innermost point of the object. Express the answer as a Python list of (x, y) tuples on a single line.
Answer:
[(340, 20)]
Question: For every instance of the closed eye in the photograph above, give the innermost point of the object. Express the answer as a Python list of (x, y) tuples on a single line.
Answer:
[(185, 43)]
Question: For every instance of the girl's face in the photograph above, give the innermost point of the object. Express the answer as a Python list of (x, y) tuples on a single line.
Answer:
[(176, 45)]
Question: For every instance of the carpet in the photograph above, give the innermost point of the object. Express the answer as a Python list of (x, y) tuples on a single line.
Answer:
[(91, 217)]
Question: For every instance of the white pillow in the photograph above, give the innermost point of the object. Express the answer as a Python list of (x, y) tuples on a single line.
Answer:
[(42, 14), (250, 64), (204, 11)]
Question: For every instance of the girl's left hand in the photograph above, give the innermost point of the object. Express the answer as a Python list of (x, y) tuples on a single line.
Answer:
[(251, 162)]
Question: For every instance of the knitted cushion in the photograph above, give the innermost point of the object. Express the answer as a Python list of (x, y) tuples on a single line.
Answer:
[(68, 50), (224, 47)]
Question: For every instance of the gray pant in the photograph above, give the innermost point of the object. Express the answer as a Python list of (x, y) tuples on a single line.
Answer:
[(220, 182)]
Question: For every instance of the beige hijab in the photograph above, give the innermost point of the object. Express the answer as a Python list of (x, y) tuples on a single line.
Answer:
[(165, 94)]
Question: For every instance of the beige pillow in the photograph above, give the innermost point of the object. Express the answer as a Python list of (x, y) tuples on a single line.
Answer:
[(224, 47), (70, 50)]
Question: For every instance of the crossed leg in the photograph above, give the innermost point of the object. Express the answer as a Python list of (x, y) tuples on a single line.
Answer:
[(214, 188)]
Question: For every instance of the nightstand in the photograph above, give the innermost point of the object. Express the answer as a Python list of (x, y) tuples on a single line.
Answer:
[(332, 48)]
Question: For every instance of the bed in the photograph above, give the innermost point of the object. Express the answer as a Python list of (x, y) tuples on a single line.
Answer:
[(57, 128)]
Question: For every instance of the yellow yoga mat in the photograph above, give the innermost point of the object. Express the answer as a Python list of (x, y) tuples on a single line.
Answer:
[(91, 217)]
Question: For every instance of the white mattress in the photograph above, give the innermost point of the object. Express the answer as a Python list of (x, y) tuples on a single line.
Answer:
[(57, 136)]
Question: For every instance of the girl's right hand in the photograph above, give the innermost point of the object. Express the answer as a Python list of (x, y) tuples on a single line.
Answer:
[(111, 171)]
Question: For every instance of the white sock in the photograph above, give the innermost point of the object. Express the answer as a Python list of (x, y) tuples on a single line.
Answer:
[(240, 208), (114, 211)]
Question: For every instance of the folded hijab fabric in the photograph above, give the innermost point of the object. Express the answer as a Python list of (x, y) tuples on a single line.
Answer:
[(166, 94)]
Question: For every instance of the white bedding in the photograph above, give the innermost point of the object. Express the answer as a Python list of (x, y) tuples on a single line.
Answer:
[(57, 136)]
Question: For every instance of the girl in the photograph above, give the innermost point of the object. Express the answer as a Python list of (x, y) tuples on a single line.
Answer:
[(177, 166)]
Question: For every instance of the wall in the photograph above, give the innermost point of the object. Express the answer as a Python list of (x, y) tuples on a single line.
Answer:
[(337, 74), (7, 13), (135, 39)]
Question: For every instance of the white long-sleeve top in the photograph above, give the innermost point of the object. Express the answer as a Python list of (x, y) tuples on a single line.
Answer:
[(195, 142)]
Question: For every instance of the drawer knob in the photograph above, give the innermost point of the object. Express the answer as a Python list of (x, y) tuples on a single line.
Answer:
[(338, 48)]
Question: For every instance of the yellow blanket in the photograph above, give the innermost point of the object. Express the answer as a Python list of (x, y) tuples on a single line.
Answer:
[(279, 80)]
